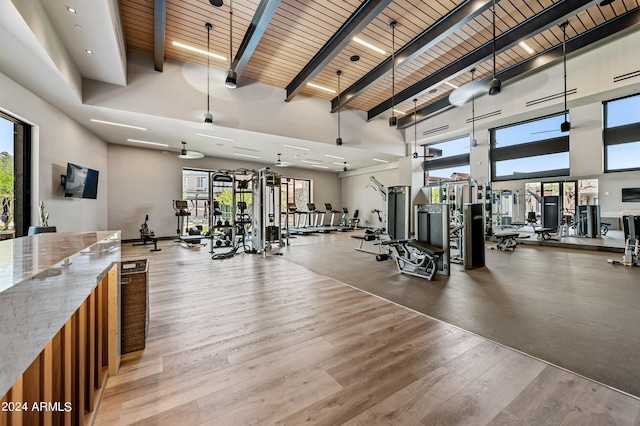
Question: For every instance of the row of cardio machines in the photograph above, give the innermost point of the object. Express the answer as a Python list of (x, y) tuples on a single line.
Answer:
[(313, 221)]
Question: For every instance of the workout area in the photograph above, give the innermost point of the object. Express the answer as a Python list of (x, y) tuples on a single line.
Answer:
[(235, 212)]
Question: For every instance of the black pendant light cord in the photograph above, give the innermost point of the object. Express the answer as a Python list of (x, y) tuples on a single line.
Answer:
[(564, 62), (415, 128), (393, 66), (230, 33), (339, 139), (392, 119), (473, 107), (208, 25), (494, 38)]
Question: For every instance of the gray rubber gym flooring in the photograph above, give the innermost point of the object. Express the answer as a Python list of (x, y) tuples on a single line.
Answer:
[(568, 307)]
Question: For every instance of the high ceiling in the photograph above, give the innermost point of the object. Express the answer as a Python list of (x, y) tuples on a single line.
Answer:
[(435, 42)]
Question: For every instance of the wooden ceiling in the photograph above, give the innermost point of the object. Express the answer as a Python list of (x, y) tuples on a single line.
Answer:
[(300, 29)]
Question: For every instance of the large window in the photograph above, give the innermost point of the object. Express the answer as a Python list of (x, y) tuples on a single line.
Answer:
[(531, 149), (446, 160), (296, 191), (622, 134), (15, 177)]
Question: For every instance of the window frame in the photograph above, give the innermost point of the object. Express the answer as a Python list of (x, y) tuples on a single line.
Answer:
[(619, 135), (554, 145)]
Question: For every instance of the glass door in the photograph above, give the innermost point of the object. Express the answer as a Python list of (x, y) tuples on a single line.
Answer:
[(533, 201)]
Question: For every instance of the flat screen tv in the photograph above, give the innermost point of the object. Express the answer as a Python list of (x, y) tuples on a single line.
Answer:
[(631, 195), (81, 182)]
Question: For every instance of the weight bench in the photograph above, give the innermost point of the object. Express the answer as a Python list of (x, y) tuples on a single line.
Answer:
[(415, 257), (507, 241), (545, 233)]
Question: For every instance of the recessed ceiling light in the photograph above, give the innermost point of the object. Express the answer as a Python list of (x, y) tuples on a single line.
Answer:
[(296, 147), (71, 9), (334, 156), (147, 142), (381, 161), (398, 111), (526, 47), (117, 124), (246, 149), (369, 45), (451, 84), (354, 58), (245, 155), (195, 49), (90, 52), (310, 161), (320, 167), (321, 88), (214, 137), (434, 90)]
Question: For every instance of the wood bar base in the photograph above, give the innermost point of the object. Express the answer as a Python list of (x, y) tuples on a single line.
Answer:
[(63, 385)]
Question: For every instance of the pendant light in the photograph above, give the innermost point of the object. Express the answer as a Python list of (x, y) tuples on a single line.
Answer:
[(565, 126), (232, 78), (474, 142), (339, 139), (393, 120), (415, 128), (496, 84), (208, 118)]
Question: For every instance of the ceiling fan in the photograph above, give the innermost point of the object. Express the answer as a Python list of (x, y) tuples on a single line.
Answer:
[(280, 163), (189, 155)]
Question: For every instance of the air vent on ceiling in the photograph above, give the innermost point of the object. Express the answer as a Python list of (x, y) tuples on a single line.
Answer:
[(551, 97), (487, 115), (626, 76), (435, 130)]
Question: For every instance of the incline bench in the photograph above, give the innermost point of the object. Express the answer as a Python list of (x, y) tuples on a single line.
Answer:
[(415, 257)]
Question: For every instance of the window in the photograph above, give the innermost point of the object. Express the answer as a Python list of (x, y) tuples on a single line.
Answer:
[(531, 149), (622, 134), (296, 191), (446, 160), (15, 176)]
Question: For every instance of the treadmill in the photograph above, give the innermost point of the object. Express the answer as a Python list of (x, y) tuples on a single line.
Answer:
[(292, 209), (328, 209), (314, 215)]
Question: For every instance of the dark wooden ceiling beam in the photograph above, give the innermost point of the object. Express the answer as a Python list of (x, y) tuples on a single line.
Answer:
[(365, 13), (594, 35), (433, 35), (538, 23), (159, 32), (259, 23)]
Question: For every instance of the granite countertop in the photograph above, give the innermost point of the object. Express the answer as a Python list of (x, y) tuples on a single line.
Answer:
[(43, 280)]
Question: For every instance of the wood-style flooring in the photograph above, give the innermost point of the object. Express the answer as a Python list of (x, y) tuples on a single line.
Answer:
[(253, 340)]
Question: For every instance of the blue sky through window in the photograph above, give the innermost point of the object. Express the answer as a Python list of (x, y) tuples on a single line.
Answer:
[(623, 111), (532, 131), (6, 136)]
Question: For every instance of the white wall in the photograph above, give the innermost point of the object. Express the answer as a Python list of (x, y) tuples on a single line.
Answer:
[(58, 140), (356, 195), (146, 181)]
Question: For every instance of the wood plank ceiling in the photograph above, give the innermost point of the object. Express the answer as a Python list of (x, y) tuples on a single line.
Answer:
[(299, 29)]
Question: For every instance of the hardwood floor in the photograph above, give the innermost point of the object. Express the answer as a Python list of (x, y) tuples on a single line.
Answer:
[(253, 340)]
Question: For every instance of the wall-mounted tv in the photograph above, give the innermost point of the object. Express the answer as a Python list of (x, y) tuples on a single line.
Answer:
[(81, 182), (631, 195)]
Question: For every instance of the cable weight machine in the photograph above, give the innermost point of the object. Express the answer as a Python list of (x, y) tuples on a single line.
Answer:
[(266, 221)]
